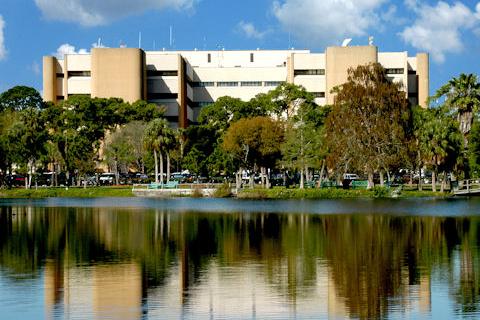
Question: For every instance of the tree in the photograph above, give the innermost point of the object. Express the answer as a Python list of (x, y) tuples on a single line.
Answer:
[(285, 98), (367, 129), (253, 142), (21, 98), (462, 98), (159, 137), (440, 143)]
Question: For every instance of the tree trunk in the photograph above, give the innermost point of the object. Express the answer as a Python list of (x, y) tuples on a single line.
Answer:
[(382, 182), (267, 179), (251, 182), (321, 174), (370, 180), (302, 182), (117, 177), (238, 178), (434, 180), (155, 157), (168, 166), (161, 167), (444, 181)]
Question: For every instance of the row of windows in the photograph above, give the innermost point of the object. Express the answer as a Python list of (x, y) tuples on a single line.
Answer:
[(310, 72), (318, 94), (395, 71), (236, 84), (162, 73), (155, 96), (209, 57)]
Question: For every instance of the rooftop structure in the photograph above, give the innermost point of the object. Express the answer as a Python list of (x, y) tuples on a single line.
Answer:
[(185, 81)]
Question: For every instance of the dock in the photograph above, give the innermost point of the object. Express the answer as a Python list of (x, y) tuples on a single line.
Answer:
[(469, 187)]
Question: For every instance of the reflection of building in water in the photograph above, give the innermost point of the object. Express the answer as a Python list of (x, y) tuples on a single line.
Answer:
[(103, 291)]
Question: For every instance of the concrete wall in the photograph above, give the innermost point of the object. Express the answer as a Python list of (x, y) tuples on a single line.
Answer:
[(340, 59), (118, 73), (50, 79), (423, 74)]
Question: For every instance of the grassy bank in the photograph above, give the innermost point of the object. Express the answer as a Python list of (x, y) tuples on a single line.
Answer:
[(94, 192), (283, 193)]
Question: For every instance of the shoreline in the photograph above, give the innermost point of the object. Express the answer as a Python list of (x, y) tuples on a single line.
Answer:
[(279, 193)]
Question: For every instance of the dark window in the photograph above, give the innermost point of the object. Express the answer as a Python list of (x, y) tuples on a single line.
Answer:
[(60, 75), (209, 58), (79, 95), (251, 83), (156, 95), (319, 94), (60, 98), (227, 84), (311, 72), (412, 71), (395, 71), (78, 74), (251, 57), (273, 83), (161, 73), (203, 84)]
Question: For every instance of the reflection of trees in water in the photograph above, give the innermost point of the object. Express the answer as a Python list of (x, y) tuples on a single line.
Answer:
[(372, 259)]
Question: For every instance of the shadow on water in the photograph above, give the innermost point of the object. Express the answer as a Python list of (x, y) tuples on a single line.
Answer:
[(112, 262)]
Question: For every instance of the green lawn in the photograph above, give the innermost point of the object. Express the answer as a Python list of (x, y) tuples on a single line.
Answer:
[(93, 192)]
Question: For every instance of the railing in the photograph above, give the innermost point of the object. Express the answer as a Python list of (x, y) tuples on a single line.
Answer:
[(469, 186), (144, 186)]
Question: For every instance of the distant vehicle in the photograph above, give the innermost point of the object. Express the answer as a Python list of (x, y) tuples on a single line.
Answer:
[(107, 178), (351, 176)]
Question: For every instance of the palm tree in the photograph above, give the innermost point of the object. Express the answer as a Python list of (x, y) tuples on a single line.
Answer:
[(462, 98), (153, 141)]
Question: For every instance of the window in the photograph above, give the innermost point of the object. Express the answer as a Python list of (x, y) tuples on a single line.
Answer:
[(310, 72), (203, 84), (227, 84), (60, 75), (273, 83), (209, 58), (162, 73), (251, 57), (319, 94), (60, 98), (79, 95), (412, 72), (395, 71), (78, 74), (157, 95), (251, 83)]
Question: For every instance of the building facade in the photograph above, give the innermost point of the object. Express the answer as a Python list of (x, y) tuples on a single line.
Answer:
[(185, 81)]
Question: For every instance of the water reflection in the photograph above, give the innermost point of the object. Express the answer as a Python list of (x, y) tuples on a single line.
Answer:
[(124, 264)]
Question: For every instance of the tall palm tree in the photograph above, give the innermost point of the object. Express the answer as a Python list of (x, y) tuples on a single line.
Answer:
[(462, 98), (153, 140)]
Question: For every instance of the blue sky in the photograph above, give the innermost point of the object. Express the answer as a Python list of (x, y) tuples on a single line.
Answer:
[(30, 29)]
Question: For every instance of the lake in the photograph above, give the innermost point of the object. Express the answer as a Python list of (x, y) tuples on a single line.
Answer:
[(130, 258)]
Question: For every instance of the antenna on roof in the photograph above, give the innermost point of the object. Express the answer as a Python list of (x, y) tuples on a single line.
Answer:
[(99, 43), (139, 40), (346, 42), (171, 36)]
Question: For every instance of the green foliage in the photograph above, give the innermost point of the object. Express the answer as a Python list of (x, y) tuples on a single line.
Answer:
[(367, 129), (381, 192), (20, 98), (223, 191)]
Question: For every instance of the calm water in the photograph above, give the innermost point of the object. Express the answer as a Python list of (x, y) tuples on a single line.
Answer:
[(231, 259)]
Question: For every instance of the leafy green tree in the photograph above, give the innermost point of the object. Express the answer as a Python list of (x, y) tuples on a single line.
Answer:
[(440, 143), (285, 100), (21, 98), (253, 143), (367, 129)]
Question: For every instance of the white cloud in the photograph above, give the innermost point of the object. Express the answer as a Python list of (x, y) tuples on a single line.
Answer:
[(327, 22), (3, 50), (99, 12), (68, 49), (248, 29), (438, 29), (35, 68)]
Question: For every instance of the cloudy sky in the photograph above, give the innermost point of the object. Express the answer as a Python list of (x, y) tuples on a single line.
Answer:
[(30, 29)]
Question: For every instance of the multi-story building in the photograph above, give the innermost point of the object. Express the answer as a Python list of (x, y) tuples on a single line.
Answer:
[(185, 81)]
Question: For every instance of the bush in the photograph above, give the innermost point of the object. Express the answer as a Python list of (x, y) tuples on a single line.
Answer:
[(223, 191), (381, 192)]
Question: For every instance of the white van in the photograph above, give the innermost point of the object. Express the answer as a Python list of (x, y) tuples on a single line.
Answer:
[(350, 176)]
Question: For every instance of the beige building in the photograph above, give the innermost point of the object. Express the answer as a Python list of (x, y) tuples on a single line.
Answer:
[(185, 81)]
